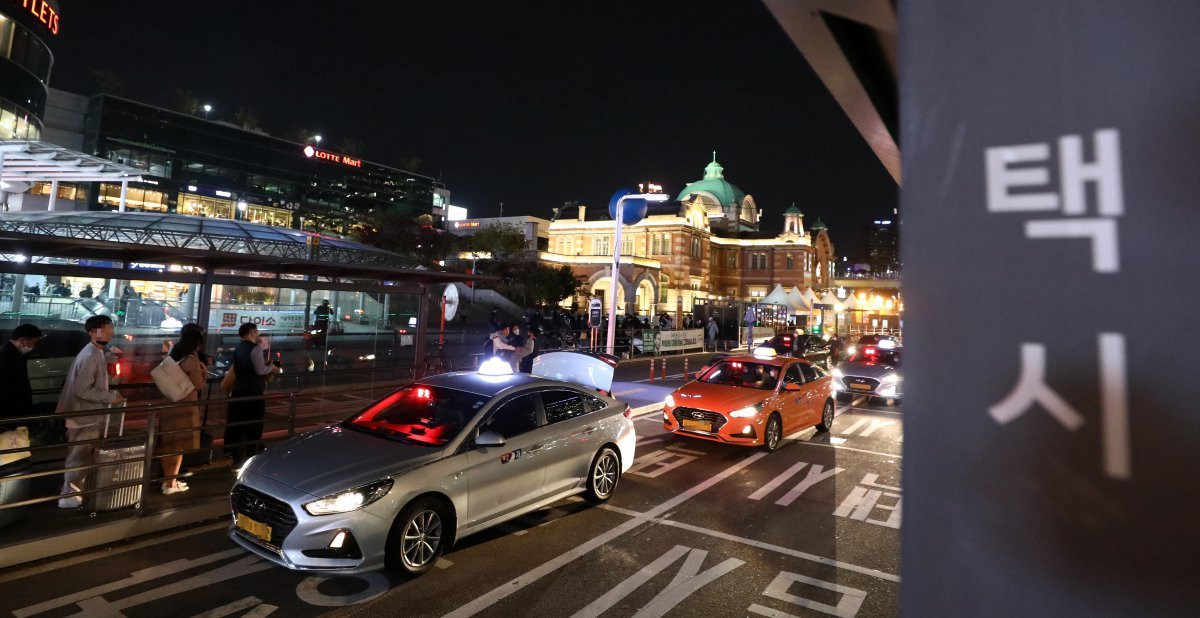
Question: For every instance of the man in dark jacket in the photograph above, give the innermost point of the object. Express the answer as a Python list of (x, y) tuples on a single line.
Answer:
[(250, 371), (14, 374)]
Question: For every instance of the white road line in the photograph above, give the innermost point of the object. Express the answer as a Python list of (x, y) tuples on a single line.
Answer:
[(846, 566), (628, 392), (857, 450), (535, 575), (765, 490), (105, 553), (650, 441), (442, 563), (874, 411)]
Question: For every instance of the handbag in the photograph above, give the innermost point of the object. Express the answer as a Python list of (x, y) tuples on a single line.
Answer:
[(170, 378), (228, 380)]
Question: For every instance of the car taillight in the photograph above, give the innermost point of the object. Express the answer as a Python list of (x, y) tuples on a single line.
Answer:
[(628, 412), (114, 369), (869, 351)]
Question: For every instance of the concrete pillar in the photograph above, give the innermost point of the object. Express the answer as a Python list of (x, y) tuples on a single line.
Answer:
[(189, 300), (53, 195), (124, 192), (18, 293)]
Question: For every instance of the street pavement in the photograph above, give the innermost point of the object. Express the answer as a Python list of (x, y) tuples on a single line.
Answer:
[(694, 529)]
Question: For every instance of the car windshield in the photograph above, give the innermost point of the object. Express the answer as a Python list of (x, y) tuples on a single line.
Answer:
[(419, 414), (877, 356), (744, 374)]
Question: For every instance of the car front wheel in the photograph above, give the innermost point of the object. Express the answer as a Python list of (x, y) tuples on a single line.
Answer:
[(418, 537), (826, 417), (603, 476), (773, 434)]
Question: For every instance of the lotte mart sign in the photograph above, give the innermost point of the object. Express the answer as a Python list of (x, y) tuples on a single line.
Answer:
[(1050, 188)]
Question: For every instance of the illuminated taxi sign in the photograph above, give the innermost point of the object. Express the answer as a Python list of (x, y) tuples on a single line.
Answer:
[(886, 344), (43, 12), (314, 153), (764, 353), (495, 367)]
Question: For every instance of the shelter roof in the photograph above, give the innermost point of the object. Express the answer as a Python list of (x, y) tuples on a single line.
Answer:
[(27, 160), (203, 242)]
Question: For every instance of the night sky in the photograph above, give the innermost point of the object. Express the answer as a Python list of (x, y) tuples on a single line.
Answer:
[(527, 103)]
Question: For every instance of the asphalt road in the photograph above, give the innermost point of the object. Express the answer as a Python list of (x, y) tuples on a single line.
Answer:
[(694, 529)]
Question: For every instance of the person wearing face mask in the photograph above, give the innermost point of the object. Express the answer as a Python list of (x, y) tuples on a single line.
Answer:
[(85, 388), (14, 374)]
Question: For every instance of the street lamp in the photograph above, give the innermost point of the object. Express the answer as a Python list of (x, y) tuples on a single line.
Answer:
[(317, 138), (207, 108), (616, 208)]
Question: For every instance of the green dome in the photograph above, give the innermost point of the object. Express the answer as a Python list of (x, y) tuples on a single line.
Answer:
[(714, 183)]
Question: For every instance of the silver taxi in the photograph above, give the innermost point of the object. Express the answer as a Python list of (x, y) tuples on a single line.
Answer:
[(450, 455)]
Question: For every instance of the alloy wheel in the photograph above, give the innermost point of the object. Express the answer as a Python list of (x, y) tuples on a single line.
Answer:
[(604, 475), (422, 538)]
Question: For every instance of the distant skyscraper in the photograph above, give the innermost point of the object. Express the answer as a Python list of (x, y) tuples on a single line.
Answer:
[(883, 245)]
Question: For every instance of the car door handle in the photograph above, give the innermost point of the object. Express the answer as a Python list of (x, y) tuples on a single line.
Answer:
[(535, 448), (589, 431)]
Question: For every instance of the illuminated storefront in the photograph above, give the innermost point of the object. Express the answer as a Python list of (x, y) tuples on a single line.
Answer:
[(139, 198), (266, 215), (25, 63), (203, 206)]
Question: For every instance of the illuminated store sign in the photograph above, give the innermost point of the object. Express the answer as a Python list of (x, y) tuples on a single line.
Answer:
[(311, 152), (462, 224), (44, 13)]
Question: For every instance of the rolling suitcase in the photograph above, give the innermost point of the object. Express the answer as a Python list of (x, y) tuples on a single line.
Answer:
[(117, 474)]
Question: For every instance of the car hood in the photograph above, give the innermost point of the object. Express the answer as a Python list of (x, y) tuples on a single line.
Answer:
[(867, 370), (718, 397), (335, 459)]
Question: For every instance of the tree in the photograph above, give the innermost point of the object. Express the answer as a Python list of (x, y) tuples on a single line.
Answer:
[(185, 102), (413, 238), (247, 118), (504, 242), (350, 146), (108, 82), (546, 286)]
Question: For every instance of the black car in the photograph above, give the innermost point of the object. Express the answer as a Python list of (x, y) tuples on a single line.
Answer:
[(809, 347)]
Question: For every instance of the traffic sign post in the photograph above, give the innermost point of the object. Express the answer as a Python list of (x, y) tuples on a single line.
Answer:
[(1056, 140), (626, 208)]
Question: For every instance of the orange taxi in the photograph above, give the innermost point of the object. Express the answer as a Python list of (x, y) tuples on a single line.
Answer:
[(752, 400)]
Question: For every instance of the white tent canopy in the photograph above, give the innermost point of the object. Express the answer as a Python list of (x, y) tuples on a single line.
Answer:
[(809, 297), (24, 162), (778, 296), (797, 302), (830, 299)]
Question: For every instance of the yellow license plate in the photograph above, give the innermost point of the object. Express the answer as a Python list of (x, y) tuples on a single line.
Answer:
[(861, 387), (696, 425), (254, 528)]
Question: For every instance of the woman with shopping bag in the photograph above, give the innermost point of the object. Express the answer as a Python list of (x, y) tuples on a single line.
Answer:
[(186, 353)]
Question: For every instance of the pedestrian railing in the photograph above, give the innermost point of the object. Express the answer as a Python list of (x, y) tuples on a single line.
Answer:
[(145, 424)]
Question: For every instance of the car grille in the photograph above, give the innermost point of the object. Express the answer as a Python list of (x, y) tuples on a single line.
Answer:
[(263, 508), (717, 419), (850, 380)]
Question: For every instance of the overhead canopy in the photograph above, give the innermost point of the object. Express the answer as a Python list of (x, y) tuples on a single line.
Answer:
[(777, 296), (797, 302), (28, 161), (211, 244), (830, 300)]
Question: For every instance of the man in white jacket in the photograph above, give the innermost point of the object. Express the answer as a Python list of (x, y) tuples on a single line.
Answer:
[(85, 388)]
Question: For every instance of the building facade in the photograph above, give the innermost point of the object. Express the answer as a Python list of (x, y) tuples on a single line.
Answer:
[(704, 245), (26, 28), (209, 168)]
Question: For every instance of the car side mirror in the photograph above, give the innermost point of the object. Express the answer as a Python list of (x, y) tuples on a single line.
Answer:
[(489, 438), (791, 386)]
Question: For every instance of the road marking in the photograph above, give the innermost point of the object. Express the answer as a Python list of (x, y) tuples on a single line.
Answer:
[(230, 608), (105, 553), (442, 563), (874, 411), (536, 574), (777, 481), (815, 475), (648, 441), (173, 568), (846, 566), (628, 392), (847, 606), (687, 581), (847, 448)]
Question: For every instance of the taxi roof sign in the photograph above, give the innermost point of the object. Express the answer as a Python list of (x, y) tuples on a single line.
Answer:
[(495, 367), (764, 352)]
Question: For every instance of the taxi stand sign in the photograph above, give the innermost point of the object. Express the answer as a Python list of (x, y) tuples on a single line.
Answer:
[(1059, 156)]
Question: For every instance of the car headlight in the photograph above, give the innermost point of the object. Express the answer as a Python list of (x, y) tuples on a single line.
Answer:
[(851, 350), (746, 412), (245, 465), (350, 500), (670, 401), (890, 379), (837, 373)]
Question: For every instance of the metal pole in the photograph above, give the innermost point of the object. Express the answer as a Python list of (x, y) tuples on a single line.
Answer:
[(616, 274), (422, 329), (124, 192), (53, 195), (292, 415)]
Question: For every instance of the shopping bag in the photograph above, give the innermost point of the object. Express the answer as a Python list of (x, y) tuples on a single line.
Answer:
[(228, 380), (17, 438), (171, 379)]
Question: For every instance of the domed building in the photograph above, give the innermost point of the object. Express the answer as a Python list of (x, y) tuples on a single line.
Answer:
[(729, 209), (704, 245)]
